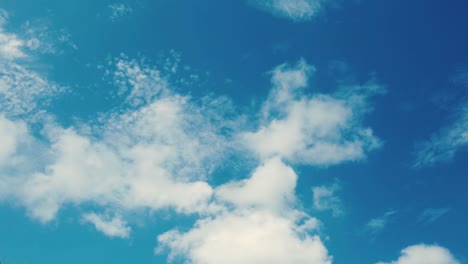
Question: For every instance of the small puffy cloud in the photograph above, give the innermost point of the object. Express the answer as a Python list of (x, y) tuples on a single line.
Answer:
[(433, 214), (295, 10), (325, 198), (313, 129), (111, 227), (444, 144), (377, 225), (424, 254)]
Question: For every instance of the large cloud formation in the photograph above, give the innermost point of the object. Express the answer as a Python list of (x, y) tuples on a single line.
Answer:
[(260, 222), (158, 148)]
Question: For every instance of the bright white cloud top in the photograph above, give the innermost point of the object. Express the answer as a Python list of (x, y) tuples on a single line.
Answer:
[(424, 254)]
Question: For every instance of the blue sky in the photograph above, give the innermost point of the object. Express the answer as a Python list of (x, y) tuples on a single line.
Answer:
[(236, 131)]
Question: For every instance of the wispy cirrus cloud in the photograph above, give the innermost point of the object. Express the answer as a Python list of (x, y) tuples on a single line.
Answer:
[(295, 10), (431, 215), (378, 224), (443, 145)]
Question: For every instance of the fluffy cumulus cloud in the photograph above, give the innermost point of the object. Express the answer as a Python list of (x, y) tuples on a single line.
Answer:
[(151, 157), (316, 129), (296, 10), (259, 220), (424, 254), (246, 237), (261, 227), (157, 148)]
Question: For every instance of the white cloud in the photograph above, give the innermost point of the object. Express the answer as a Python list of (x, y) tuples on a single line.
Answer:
[(21, 89), (296, 10), (152, 157), (262, 227), (137, 82), (377, 225), (325, 198), (112, 227), (424, 254), (157, 150), (12, 134), (317, 130), (246, 237), (271, 186), (258, 221), (444, 144), (10, 44)]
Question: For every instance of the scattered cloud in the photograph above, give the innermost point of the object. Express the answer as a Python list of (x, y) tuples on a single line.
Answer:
[(325, 198), (119, 10), (424, 254), (377, 225), (41, 37), (21, 90), (157, 148), (111, 227), (296, 10), (431, 215), (258, 220), (443, 145), (11, 46)]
